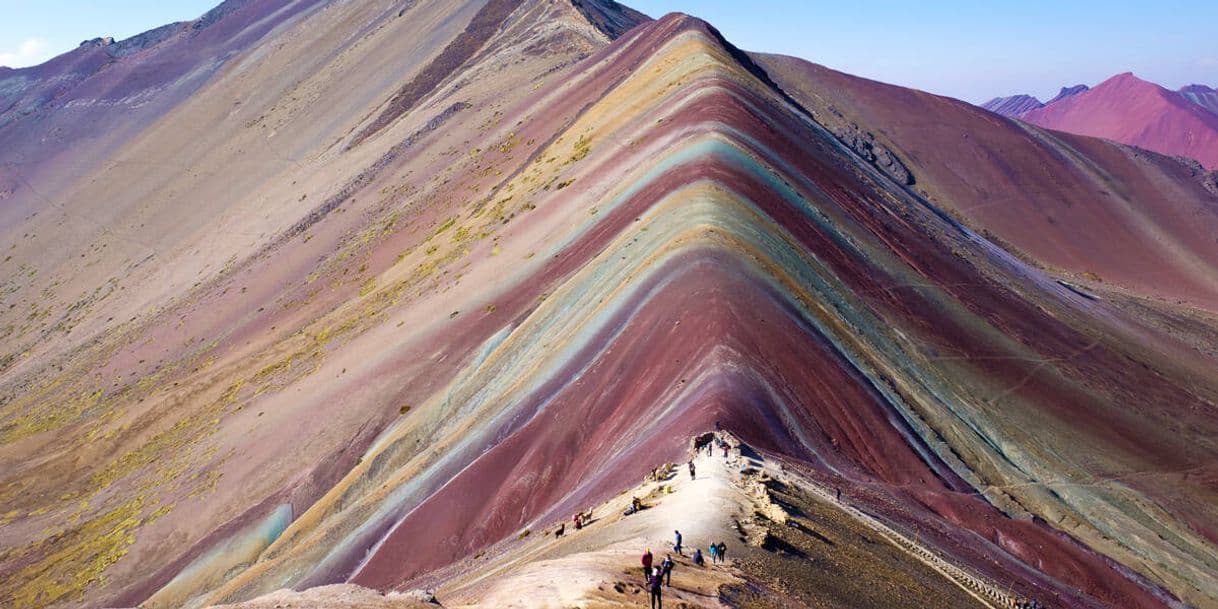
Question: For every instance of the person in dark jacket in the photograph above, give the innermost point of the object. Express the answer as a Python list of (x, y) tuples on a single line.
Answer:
[(656, 586), (691, 469), (647, 558), (698, 560), (676, 547), (721, 550), (666, 570)]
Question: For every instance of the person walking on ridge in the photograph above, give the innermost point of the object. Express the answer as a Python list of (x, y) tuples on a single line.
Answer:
[(676, 547), (712, 550), (655, 584), (666, 570), (721, 551), (691, 469), (646, 564)]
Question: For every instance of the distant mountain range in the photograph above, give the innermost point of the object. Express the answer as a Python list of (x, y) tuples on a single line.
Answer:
[(1129, 110)]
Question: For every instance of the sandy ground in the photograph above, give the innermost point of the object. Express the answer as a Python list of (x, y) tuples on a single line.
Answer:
[(599, 566), (341, 596)]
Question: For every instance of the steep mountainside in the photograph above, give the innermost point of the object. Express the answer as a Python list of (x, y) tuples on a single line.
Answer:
[(201, 236), (398, 287), (1087, 210)]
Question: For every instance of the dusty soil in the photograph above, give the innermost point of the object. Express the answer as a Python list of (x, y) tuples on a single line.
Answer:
[(342, 596), (823, 558)]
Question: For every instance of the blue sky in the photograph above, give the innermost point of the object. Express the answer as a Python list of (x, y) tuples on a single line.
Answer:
[(32, 31), (973, 50)]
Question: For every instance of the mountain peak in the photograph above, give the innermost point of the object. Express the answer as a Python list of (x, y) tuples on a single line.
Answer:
[(1068, 92), (100, 41), (610, 17), (1126, 79)]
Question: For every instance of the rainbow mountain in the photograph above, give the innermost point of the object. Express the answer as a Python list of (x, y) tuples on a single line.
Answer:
[(360, 298)]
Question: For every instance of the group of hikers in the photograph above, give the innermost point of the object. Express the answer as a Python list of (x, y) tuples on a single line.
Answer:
[(717, 442), (659, 576)]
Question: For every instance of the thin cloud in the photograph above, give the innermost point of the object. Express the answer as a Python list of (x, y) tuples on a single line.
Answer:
[(32, 51)]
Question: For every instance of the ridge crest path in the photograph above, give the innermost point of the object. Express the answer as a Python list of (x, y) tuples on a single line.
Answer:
[(586, 568)]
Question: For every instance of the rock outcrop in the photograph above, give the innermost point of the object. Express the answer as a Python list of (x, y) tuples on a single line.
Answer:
[(865, 145), (1068, 92)]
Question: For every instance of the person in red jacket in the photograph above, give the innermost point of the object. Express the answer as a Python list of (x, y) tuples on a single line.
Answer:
[(647, 564)]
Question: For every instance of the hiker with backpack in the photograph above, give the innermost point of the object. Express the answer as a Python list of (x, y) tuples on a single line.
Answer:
[(654, 584), (666, 570)]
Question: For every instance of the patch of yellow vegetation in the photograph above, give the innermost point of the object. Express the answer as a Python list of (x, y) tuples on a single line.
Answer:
[(75, 559), (580, 150), (42, 413)]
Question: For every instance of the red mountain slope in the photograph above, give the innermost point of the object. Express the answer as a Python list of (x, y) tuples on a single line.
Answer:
[(1131, 219), (1129, 110)]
